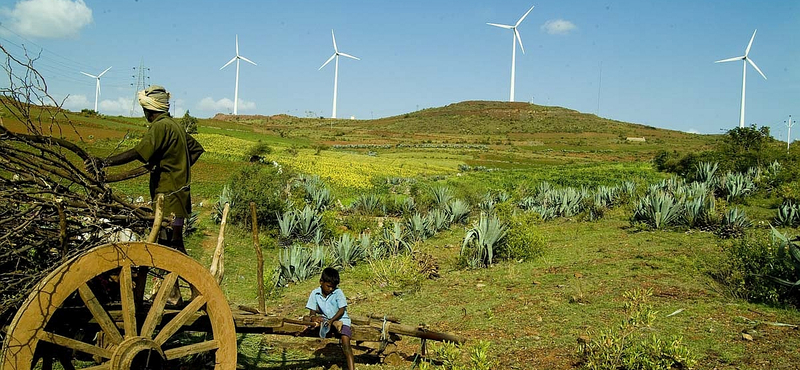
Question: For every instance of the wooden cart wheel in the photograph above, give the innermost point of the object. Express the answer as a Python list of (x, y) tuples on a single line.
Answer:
[(47, 328)]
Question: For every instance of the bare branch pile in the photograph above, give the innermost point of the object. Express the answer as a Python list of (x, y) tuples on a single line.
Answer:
[(51, 208)]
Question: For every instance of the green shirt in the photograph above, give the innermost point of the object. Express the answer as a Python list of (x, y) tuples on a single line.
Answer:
[(170, 152)]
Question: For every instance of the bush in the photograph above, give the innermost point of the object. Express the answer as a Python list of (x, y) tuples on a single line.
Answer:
[(397, 272), (747, 263), (524, 241), (263, 185), (259, 150), (627, 347), (189, 123)]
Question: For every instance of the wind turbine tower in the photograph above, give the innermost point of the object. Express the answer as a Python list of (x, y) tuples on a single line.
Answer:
[(236, 91), (513, 47), (789, 125), (745, 59), (336, 54), (97, 87)]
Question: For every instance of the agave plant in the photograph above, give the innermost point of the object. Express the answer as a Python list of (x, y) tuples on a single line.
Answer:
[(503, 196), (458, 211), (788, 215), (487, 204), (368, 204), (628, 190), (481, 241), (417, 227), (346, 251), (396, 239), (704, 172), (735, 185), (441, 195), (787, 249), (659, 210), (405, 205), (286, 224), (319, 197), (570, 202), (308, 222), (298, 263), (438, 220), (733, 224), (219, 206), (700, 209), (190, 224)]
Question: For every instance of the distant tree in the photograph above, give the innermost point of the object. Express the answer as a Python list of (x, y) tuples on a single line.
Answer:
[(747, 147), (189, 123)]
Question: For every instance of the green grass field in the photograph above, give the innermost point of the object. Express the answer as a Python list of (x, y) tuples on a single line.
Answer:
[(532, 312)]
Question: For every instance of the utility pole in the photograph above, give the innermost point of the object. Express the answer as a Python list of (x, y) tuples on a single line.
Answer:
[(789, 125), (142, 81)]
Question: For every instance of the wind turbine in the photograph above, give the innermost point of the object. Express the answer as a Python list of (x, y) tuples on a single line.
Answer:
[(336, 55), (513, 47), (745, 59), (97, 87), (236, 92)]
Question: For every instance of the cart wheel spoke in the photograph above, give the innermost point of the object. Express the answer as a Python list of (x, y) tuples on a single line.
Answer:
[(128, 305), (177, 322), (73, 344), (191, 349), (100, 314), (157, 309)]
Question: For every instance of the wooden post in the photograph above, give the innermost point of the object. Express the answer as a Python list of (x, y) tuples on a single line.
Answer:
[(260, 269), (218, 262), (153, 237)]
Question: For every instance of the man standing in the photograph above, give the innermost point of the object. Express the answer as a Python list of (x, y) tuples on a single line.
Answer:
[(168, 152)]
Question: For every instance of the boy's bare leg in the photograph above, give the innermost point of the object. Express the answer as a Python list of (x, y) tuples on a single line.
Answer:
[(348, 352)]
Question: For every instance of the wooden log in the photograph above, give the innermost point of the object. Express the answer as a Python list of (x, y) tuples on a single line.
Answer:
[(153, 237), (218, 263), (260, 266)]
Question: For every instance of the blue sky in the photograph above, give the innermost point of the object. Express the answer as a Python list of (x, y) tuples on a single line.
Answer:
[(656, 56)]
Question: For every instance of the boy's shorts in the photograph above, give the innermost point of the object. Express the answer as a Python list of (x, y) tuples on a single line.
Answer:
[(346, 331)]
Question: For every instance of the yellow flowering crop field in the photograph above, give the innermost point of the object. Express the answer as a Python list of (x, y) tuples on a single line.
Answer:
[(224, 146), (357, 170), (339, 168)]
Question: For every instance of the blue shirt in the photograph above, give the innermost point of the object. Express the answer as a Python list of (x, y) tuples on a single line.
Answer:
[(330, 305)]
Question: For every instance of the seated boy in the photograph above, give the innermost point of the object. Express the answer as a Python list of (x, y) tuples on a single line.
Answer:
[(330, 302)]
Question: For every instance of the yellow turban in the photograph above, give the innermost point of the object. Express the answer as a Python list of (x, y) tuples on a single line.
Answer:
[(154, 98)]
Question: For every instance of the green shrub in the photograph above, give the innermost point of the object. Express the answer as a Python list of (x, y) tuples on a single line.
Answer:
[(189, 123), (629, 347), (747, 264), (524, 241), (263, 185), (397, 272), (359, 223)]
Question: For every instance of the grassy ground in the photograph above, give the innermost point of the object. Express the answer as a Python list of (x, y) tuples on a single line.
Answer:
[(532, 312)]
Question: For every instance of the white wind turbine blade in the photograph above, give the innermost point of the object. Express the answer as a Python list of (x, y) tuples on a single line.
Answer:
[(516, 34), (92, 76), (334, 42), (247, 60), (747, 51), (729, 59), (501, 25), (349, 56), (328, 61), (523, 17), (237, 45), (104, 72), (752, 63), (229, 62)]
